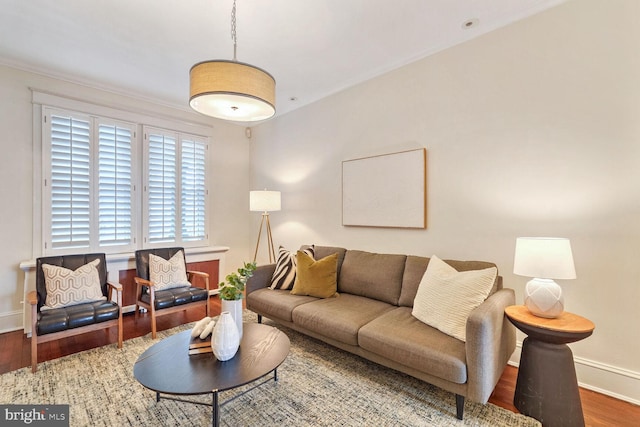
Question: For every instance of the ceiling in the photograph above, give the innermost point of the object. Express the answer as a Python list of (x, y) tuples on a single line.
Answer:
[(313, 48)]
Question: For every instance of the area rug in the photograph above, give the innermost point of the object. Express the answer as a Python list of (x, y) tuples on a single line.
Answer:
[(318, 385)]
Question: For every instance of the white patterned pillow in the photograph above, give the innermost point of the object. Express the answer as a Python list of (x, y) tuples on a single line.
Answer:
[(446, 297), (284, 275), (68, 287), (167, 274)]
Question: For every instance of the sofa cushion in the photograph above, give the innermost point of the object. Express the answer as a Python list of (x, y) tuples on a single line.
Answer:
[(417, 265), (400, 337), (324, 251), (167, 274), (67, 287), (377, 276), (446, 297), (339, 318), (316, 278), (414, 269), (278, 303)]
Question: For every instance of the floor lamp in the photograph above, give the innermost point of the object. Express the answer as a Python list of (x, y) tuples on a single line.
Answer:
[(265, 201)]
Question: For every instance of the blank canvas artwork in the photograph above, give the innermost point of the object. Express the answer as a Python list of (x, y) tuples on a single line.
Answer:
[(389, 190)]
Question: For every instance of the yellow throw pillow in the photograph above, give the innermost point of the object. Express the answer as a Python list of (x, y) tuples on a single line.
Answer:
[(316, 278)]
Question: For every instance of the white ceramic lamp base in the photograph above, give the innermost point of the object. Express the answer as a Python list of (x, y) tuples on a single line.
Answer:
[(543, 297)]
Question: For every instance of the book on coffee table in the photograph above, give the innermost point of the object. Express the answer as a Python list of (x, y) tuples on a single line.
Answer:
[(199, 346)]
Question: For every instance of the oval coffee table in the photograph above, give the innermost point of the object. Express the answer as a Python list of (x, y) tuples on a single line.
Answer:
[(167, 367)]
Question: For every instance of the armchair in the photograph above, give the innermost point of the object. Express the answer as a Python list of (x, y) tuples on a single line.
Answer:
[(165, 295), (72, 297)]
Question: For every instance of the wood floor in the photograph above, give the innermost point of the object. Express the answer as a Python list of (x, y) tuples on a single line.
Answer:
[(15, 353)]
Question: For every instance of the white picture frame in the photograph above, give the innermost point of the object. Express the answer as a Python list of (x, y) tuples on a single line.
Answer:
[(388, 190)]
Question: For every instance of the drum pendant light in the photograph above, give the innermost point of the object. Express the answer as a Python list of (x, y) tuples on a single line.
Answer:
[(232, 90)]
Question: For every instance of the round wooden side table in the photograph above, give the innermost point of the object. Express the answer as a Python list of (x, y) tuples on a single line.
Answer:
[(547, 386)]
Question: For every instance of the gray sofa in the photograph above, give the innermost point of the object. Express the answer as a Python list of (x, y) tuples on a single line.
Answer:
[(372, 318)]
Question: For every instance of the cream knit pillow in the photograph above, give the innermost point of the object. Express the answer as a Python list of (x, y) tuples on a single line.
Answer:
[(167, 274), (446, 297), (70, 287)]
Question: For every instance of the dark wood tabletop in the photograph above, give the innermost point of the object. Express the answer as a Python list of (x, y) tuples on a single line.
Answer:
[(167, 367)]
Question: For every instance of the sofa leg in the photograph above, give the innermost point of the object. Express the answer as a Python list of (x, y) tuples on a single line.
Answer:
[(459, 406), (259, 318)]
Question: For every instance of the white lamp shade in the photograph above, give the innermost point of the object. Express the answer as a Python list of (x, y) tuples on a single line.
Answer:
[(544, 258), (264, 201)]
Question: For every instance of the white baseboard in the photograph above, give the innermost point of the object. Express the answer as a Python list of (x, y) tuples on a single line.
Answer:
[(619, 383), (10, 321)]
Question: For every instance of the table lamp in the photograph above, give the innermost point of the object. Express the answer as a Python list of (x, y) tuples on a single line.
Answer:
[(265, 201), (544, 259)]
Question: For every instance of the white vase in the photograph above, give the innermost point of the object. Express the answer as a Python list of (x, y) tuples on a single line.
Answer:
[(234, 307), (225, 339)]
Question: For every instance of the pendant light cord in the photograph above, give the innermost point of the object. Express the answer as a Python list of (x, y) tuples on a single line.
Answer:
[(234, 36)]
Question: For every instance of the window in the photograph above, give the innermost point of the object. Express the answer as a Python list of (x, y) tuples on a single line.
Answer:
[(115, 184), (70, 181), (90, 177), (161, 187), (175, 187), (194, 190)]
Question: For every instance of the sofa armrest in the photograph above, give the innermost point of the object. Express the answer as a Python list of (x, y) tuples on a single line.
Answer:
[(491, 340), (261, 278)]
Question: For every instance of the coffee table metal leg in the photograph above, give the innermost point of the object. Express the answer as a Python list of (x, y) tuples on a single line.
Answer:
[(216, 409), (157, 397), (275, 375)]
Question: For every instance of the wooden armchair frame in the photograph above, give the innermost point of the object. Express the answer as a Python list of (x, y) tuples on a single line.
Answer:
[(32, 299), (141, 283)]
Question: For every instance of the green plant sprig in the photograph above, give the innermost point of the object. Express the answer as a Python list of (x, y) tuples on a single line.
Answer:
[(233, 288)]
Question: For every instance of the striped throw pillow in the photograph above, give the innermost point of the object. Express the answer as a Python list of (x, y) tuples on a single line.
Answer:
[(285, 274)]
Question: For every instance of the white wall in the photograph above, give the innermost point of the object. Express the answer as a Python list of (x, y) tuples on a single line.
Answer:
[(530, 130), (228, 198)]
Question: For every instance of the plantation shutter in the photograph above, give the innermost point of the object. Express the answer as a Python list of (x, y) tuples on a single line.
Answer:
[(193, 190), (92, 166), (162, 187), (115, 184), (70, 182)]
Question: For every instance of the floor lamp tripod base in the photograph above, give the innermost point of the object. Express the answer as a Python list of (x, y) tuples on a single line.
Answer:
[(272, 252)]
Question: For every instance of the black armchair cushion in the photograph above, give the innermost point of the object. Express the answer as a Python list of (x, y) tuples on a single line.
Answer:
[(75, 316), (142, 259), (176, 296), (71, 262), (167, 297)]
